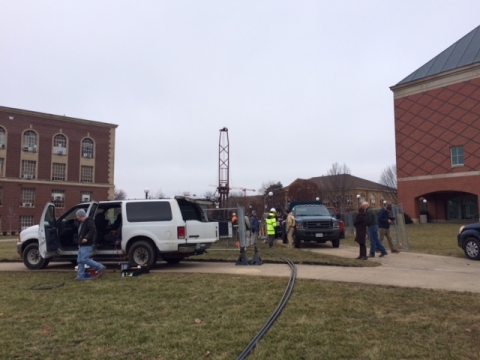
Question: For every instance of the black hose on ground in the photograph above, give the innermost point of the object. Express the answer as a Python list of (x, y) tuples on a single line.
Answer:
[(281, 305)]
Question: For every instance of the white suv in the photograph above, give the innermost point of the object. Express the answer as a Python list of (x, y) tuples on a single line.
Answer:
[(142, 231)]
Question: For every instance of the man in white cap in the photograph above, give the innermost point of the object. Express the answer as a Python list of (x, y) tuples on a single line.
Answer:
[(86, 237)]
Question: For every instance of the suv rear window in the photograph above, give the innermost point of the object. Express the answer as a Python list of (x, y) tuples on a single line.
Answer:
[(149, 211)]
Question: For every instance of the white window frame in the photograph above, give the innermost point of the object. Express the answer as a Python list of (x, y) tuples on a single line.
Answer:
[(30, 139), (27, 197), (59, 203), (28, 168), (3, 138), (457, 159), (26, 221), (59, 172), (87, 148), (85, 176)]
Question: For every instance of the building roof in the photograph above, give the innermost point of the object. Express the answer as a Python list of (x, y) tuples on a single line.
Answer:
[(14, 111), (354, 183), (464, 52)]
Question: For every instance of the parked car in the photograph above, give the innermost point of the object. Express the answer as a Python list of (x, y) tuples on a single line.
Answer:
[(469, 240), (150, 230), (341, 224)]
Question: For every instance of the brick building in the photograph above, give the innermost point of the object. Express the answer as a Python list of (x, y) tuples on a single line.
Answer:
[(346, 192), (437, 134), (51, 158)]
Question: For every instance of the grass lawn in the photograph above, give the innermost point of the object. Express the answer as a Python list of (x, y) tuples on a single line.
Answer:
[(8, 250), (193, 316)]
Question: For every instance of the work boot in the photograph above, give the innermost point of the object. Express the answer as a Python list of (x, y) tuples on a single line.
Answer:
[(383, 254), (364, 258), (395, 251)]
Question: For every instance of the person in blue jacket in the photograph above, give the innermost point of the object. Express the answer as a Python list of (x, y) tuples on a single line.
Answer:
[(384, 222)]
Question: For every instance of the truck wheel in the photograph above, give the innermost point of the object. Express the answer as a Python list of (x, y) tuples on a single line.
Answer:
[(142, 253), (296, 242), (336, 243), (472, 249), (32, 258)]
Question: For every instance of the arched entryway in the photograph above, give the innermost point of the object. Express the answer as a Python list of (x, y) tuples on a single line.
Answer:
[(448, 206)]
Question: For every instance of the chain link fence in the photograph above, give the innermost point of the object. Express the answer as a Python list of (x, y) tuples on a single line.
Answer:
[(398, 231)]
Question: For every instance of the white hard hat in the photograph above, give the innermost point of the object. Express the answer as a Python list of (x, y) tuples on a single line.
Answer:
[(272, 210), (233, 214)]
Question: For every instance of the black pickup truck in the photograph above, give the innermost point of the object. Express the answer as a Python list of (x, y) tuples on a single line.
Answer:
[(314, 223)]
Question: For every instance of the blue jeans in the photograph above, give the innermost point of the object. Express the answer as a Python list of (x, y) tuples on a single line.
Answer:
[(374, 241), (83, 258)]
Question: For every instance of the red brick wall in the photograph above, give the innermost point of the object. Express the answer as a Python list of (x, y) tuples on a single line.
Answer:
[(47, 126), (428, 124)]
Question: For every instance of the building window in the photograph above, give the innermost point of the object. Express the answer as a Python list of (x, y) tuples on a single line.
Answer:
[(372, 200), (1, 196), (26, 221), (60, 145), (87, 148), (2, 161), (27, 198), (30, 140), (3, 138), (59, 171), (457, 155), (86, 174), (58, 198), (348, 199), (86, 196), (28, 169)]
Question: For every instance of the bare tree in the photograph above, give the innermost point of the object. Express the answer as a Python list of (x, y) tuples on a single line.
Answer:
[(119, 194), (11, 216), (159, 194), (236, 197), (303, 190), (337, 184), (389, 179), (265, 188), (277, 200), (209, 195)]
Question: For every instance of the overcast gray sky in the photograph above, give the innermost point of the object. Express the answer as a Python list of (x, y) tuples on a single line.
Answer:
[(299, 84)]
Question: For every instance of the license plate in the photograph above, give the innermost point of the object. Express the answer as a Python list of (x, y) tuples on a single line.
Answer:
[(319, 234)]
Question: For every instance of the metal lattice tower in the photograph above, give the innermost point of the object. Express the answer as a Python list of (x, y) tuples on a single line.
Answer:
[(223, 168)]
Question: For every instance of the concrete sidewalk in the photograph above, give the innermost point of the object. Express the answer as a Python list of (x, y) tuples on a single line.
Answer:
[(404, 270)]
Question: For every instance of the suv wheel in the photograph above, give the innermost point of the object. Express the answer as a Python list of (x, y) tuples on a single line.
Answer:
[(142, 253), (336, 243), (472, 249), (32, 258)]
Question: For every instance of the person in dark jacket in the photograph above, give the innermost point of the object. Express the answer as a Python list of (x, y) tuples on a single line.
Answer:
[(86, 239), (254, 228), (372, 228), (360, 224), (384, 221)]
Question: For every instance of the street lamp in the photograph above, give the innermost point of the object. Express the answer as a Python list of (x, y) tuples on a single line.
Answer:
[(358, 199), (317, 198), (270, 194), (146, 190)]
